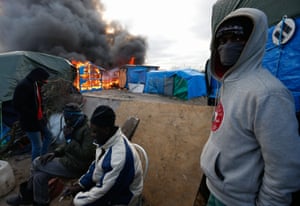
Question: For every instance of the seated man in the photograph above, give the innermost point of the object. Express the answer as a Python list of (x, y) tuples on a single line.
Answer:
[(69, 160), (116, 176)]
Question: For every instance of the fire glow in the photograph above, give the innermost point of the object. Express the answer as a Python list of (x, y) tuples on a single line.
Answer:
[(90, 77)]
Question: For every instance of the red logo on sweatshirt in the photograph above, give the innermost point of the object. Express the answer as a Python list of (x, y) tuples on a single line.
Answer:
[(217, 117)]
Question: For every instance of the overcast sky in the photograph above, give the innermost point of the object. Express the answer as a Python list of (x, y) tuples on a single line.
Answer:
[(177, 31)]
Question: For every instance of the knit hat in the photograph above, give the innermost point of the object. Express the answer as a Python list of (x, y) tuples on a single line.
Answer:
[(239, 26), (73, 115), (72, 109), (103, 116)]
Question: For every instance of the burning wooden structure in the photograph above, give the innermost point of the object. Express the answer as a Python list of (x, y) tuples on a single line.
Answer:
[(90, 77)]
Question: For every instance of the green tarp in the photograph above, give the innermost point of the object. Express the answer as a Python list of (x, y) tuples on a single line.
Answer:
[(14, 66), (180, 88), (274, 9)]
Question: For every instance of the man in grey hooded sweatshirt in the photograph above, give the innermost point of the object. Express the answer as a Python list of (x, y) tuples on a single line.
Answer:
[(252, 156)]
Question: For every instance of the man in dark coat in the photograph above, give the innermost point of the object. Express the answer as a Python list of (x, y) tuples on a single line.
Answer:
[(69, 160), (27, 101)]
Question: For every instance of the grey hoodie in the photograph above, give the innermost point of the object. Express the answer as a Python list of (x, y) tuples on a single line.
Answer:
[(252, 156)]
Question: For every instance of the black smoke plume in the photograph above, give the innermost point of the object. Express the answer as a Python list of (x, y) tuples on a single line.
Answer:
[(73, 29)]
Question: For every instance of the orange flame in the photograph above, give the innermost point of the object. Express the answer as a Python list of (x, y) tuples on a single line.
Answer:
[(132, 60), (88, 76), (110, 79)]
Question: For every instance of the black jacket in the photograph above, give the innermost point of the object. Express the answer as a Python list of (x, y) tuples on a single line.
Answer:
[(25, 100)]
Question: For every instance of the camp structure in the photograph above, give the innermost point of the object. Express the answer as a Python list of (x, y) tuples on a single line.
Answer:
[(184, 84), (14, 66), (282, 56), (133, 76)]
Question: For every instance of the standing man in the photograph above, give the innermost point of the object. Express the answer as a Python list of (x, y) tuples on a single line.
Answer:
[(252, 154), (28, 102), (116, 176)]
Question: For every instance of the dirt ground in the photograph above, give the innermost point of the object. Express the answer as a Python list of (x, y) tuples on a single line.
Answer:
[(21, 168), (178, 119)]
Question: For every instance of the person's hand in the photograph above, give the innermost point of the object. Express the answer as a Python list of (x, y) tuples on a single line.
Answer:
[(46, 158), (71, 190)]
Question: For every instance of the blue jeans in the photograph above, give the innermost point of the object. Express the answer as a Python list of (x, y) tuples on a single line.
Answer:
[(39, 144)]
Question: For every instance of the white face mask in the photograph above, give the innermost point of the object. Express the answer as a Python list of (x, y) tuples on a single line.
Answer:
[(230, 52)]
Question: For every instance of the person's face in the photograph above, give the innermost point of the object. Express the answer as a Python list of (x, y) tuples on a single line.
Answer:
[(230, 38), (100, 134), (230, 47)]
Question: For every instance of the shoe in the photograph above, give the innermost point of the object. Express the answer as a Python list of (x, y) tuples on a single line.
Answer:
[(17, 200)]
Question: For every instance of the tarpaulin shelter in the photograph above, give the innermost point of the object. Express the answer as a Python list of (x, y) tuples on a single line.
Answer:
[(14, 66), (135, 74), (189, 83), (160, 82), (182, 83), (282, 57)]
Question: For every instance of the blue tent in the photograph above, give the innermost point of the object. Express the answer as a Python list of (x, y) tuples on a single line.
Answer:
[(159, 82), (283, 61), (183, 83), (195, 84), (136, 73)]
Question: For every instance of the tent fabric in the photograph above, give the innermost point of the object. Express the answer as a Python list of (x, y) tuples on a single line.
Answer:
[(181, 88), (135, 74), (14, 66), (274, 9), (159, 82), (196, 85), (284, 62), (187, 83)]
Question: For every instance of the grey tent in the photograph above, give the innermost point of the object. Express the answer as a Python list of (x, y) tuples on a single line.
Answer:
[(14, 66)]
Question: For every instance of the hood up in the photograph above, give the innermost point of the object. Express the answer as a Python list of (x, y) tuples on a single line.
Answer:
[(253, 51)]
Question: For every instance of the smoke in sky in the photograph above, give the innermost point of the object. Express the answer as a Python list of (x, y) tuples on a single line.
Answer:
[(67, 28)]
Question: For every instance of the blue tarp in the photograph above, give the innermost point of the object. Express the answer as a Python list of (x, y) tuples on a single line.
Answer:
[(137, 74), (195, 82), (157, 81), (284, 62)]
